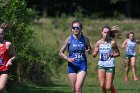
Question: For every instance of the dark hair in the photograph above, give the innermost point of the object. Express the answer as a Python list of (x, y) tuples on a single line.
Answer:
[(77, 21), (127, 35), (5, 26)]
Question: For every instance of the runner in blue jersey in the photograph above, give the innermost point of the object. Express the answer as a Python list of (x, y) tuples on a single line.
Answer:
[(108, 50), (76, 44), (130, 45)]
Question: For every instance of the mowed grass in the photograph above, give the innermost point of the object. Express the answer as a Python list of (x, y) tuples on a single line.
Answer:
[(121, 87)]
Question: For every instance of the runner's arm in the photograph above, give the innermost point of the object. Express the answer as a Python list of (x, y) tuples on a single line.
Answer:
[(124, 44), (96, 49), (88, 46), (63, 48)]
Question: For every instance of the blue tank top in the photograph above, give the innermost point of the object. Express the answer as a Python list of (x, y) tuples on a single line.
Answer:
[(131, 47), (77, 50), (105, 50)]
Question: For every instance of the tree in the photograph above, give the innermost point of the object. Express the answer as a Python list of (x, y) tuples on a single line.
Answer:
[(19, 16), (32, 63)]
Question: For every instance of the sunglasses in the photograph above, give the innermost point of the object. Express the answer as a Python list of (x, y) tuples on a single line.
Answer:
[(76, 28)]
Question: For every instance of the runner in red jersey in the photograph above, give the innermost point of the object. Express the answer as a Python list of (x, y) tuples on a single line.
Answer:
[(7, 55)]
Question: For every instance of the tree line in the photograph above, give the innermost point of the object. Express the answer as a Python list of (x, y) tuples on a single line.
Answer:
[(101, 8)]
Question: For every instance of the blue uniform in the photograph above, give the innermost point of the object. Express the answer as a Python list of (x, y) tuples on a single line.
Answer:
[(131, 49), (77, 50)]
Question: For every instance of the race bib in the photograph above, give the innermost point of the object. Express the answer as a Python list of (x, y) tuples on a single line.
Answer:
[(1, 62), (104, 56), (131, 49), (78, 56)]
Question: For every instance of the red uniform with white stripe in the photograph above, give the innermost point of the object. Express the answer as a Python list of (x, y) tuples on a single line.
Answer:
[(4, 57)]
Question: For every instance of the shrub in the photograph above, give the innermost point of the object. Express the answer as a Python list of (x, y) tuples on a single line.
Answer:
[(20, 34)]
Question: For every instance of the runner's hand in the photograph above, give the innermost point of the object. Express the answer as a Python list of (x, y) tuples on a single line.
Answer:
[(9, 63), (71, 59), (89, 51)]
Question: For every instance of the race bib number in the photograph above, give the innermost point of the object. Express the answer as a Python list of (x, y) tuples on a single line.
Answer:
[(1, 62), (104, 56), (78, 56), (131, 49)]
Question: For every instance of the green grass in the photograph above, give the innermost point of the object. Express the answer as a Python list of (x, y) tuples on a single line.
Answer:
[(121, 87)]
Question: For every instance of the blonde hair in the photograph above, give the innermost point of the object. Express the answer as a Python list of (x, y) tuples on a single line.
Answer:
[(115, 30)]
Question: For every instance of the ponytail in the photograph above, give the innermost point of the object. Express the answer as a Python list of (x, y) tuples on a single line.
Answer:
[(115, 32)]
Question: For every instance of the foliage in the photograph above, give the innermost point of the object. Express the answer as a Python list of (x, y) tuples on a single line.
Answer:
[(114, 1), (32, 64), (20, 17), (15, 12), (103, 8)]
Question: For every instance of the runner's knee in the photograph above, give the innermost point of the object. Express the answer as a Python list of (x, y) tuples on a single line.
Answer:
[(133, 66), (108, 87), (78, 89)]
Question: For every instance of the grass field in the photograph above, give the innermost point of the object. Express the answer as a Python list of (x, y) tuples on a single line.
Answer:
[(53, 32), (122, 87)]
